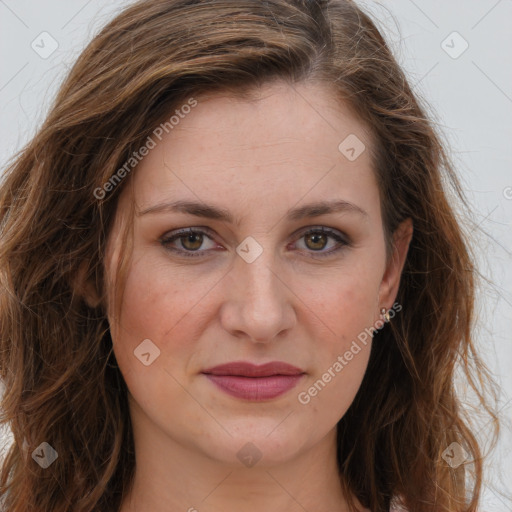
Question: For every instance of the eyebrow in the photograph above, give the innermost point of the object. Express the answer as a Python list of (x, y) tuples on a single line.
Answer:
[(214, 212)]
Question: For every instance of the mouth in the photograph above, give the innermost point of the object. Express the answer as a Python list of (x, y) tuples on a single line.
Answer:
[(254, 382)]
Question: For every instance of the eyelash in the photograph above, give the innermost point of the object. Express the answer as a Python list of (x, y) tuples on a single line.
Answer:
[(166, 240)]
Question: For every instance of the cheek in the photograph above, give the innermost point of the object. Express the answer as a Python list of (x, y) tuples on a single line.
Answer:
[(346, 301), (345, 308), (328, 395), (158, 304), (342, 347)]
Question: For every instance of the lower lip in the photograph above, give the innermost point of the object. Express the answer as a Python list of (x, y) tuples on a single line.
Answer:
[(255, 388)]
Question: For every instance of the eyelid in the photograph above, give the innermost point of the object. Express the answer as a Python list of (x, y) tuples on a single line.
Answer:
[(341, 238), (322, 229), (178, 233)]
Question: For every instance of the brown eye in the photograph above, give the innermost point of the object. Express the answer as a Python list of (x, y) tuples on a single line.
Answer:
[(192, 241), (316, 241)]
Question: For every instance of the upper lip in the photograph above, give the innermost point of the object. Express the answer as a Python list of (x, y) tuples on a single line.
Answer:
[(244, 369)]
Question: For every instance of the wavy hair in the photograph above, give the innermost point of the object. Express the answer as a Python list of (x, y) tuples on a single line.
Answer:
[(62, 383)]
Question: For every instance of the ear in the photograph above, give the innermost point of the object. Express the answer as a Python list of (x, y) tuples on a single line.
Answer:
[(388, 289), (85, 288)]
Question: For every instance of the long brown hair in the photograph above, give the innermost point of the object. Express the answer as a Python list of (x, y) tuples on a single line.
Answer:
[(56, 360)]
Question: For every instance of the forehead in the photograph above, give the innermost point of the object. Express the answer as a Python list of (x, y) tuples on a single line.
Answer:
[(283, 140)]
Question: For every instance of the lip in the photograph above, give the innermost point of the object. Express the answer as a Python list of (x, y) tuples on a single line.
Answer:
[(245, 369), (254, 382)]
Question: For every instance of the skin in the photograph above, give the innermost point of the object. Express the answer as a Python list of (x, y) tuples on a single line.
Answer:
[(256, 159)]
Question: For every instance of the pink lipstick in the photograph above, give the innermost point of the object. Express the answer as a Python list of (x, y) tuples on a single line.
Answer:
[(254, 382)]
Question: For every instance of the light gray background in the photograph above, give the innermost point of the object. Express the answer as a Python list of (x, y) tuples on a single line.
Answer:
[(470, 98)]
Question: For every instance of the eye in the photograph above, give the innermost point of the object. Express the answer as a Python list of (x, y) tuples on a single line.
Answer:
[(316, 240), (192, 239)]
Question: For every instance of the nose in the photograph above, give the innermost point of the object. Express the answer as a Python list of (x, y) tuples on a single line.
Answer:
[(258, 301)]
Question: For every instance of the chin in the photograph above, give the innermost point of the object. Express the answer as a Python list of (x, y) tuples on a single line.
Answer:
[(264, 444)]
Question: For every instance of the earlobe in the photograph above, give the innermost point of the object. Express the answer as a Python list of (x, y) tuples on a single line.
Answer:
[(391, 280)]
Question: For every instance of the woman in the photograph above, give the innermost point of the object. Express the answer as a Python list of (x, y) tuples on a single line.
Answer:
[(231, 276)]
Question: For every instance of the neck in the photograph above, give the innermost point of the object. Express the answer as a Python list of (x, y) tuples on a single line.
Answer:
[(171, 476)]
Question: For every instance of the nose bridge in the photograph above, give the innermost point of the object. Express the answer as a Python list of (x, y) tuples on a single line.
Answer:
[(261, 302), (255, 262), (259, 279)]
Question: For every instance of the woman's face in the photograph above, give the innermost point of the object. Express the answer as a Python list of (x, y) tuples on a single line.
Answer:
[(253, 286)]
